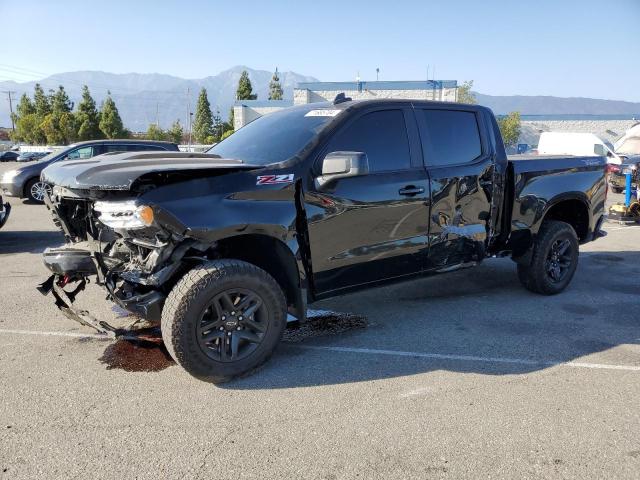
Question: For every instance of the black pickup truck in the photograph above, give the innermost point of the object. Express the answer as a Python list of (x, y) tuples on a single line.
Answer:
[(307, 203)]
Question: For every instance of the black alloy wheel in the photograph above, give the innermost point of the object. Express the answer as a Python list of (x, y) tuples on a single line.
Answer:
[(559, 260), (233, 325)]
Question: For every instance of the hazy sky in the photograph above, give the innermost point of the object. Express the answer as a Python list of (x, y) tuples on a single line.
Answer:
[(547, 47)]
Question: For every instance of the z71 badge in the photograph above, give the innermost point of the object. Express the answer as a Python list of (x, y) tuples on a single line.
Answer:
[(274, 179)]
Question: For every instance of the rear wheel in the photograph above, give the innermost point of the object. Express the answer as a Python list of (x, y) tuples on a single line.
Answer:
[(37, 190), (617, 189), (554, 260), (223, 319)]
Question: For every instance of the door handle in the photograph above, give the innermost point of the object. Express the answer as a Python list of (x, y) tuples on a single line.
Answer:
[(410, 190)]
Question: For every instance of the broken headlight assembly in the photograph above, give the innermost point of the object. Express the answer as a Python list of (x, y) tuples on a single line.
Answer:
[(124, 214)]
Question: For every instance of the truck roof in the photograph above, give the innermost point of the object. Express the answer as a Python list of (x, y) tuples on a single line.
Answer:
[(390, 101)]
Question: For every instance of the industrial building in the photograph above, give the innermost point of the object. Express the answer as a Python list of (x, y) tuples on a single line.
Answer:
[(246, 111)]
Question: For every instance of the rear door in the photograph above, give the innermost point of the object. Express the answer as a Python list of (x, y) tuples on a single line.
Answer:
[(372, 227), (460, 167)]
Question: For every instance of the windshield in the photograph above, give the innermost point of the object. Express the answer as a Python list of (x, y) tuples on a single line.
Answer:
[(274, 137), (631, 146)]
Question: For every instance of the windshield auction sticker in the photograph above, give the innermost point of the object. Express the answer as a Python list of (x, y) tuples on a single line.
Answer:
[(322, 113)]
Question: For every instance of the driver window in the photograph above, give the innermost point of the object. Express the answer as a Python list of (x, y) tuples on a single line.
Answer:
[(382, 135), (80, 153)]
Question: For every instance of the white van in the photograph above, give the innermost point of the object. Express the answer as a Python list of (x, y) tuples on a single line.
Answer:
[(579, 144)]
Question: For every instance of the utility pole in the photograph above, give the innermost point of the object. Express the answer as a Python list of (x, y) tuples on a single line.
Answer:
[(9, 93), (433, 75), (190, 122), (189, 115)]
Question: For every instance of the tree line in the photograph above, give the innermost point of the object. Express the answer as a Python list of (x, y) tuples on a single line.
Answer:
[(208, 127), (50, 118)]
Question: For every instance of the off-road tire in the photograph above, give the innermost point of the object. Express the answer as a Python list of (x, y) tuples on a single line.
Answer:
[(534, 276), (181, 316)]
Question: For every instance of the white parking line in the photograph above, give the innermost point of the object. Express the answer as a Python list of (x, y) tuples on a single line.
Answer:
[(54, 334), (622, 227), (396, 353), (472, 358)]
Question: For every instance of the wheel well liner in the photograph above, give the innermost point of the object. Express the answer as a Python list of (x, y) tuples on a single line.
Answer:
[(571, 211), (271, 255)]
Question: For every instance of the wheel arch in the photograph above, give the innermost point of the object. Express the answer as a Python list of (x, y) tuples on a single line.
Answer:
[(276, 258), (571, 209)]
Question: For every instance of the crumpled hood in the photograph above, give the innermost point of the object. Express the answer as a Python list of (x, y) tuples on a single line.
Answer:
[(120, 171)]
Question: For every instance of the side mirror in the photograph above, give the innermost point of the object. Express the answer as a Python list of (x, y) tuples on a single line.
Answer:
[(342, 165), (599, 150)]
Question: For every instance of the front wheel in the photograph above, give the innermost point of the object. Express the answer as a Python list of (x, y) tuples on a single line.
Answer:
[(37, 190), (223, 319), (554, 260)]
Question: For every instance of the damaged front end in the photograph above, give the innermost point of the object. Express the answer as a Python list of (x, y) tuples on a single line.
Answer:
[(120, 243)]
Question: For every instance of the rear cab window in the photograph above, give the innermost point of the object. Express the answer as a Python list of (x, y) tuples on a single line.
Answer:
[(449, 137)]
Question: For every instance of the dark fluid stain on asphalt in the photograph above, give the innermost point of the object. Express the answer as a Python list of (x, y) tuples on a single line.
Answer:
[(132, 356), (320, 323)]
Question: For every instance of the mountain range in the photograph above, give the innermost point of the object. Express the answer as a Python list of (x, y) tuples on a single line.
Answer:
[(146, 98)]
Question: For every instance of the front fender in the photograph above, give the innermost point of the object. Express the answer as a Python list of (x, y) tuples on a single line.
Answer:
[(197, 209)]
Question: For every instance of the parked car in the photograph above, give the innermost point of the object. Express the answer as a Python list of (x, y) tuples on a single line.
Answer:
[(24, 182), (5, 210), (9, 156), (306, 203), (31, 156)]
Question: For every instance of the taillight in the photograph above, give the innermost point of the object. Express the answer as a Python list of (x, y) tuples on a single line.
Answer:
[(611, 168)]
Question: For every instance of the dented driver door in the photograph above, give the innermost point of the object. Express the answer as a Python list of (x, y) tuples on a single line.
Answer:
[(460, 167), (371, 228)]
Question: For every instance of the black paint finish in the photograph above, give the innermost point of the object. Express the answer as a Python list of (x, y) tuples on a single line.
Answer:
[(357, 231)]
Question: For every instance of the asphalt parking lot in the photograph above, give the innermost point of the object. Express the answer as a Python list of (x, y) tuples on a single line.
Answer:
[(466, 375)]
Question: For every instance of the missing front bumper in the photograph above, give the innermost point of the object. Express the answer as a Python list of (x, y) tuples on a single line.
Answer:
[(72, 266), (64, 301)]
